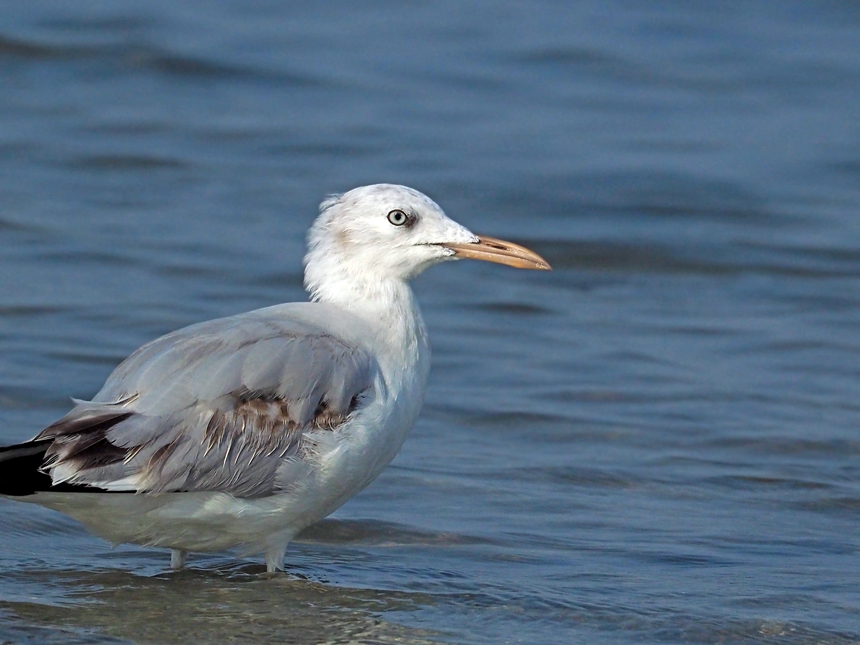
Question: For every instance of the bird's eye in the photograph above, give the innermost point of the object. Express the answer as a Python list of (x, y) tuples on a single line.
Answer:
[(398, 217)]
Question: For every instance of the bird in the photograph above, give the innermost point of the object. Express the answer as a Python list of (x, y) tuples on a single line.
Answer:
[(241, 431)]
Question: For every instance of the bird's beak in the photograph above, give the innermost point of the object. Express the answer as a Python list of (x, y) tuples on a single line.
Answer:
[(493, 250)]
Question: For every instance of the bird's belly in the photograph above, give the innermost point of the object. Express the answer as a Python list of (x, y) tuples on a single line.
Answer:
[(199, 521)]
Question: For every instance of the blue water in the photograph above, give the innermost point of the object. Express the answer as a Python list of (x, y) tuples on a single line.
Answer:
[(659, 442)]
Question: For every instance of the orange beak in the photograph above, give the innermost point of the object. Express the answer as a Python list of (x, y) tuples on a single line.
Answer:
[(500, 251)]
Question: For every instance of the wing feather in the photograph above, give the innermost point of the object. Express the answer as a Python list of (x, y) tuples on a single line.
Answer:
[(219, 406)]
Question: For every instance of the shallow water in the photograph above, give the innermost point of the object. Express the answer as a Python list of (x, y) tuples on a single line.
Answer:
[(658, 442)]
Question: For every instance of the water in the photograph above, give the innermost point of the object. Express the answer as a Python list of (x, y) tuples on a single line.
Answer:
[(656, 443)]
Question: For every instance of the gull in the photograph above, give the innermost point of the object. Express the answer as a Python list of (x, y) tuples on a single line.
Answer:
[(242, 431)]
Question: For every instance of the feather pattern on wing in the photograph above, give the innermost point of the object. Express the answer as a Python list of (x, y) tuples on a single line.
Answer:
[(219, 406)]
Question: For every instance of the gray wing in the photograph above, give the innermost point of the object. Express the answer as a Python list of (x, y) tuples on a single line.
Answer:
[(219, 406)]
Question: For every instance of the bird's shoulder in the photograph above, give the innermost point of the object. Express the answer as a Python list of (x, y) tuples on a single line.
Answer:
[(294, 350)]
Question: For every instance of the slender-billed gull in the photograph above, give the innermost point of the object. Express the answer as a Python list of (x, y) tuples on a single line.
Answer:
[(244, 430)]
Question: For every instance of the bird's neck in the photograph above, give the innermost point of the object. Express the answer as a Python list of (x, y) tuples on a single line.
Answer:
[(388, 306)]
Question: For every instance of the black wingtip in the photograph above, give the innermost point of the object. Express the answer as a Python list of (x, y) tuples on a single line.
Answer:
[(21, 474), (20, 465)]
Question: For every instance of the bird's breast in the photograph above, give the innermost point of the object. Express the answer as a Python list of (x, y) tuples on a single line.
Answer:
[(359, 450)]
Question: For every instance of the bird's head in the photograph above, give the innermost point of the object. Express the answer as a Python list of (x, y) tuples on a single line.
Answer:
[(385, 232)]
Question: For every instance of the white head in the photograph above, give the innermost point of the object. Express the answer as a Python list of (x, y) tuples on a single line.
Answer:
[(377, 235)]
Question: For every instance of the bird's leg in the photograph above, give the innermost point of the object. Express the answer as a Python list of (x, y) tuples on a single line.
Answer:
[(177, 558), (275, 559)]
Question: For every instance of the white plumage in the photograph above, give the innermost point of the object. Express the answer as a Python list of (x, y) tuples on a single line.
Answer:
[(244, 430)]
